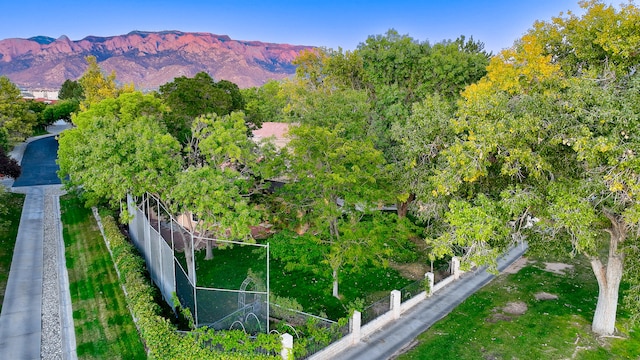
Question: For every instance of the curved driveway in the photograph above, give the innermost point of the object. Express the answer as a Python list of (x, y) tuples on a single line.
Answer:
[(39, 163)]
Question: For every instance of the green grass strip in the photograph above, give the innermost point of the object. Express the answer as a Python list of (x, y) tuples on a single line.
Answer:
[(480, 328), (9, 223), (103, 325)]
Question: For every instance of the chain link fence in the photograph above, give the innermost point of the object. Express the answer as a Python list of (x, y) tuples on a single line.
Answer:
[(218, 292)]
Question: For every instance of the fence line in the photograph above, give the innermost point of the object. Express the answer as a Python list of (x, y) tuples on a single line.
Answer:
[(160, 237), (397, 306), (153, 231), (304, 314)]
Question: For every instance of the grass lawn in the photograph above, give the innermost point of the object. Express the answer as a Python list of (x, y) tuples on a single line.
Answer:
[(480, 328), (8, 234), (229, 267), (103, 325)]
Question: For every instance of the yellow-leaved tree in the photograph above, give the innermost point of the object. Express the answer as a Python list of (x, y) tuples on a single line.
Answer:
[(552, 133)]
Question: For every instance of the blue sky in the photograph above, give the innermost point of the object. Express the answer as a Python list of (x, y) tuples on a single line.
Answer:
[(326, 23)]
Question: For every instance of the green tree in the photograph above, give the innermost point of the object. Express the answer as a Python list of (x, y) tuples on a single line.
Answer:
[(61, 110), (37, 108), (188, 98), (421, 139), (265, 103), (118, 147), (217, 184), (71, 90), (332, 184), (537, 138), (606, 37), (398, 72), (329, 108), (16, 120), (597, 206), (95, 85), (327, 92), (237, 101)]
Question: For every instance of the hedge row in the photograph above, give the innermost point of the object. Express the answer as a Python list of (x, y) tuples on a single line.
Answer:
[(159, 335)]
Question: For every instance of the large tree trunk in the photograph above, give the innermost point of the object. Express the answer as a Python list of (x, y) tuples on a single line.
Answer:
[(209, 251), (334, 262), (335, 284), (403, 207), (609, 277), (604, 320), (188, 254)]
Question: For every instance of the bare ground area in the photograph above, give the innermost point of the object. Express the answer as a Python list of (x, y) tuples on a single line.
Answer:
[(413, 271), (557, 268), (516, 266), (507, 312), (546, 296)]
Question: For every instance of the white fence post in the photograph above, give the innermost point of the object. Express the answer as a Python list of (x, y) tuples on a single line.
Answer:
[(455, 267), (287, 347), (356, 323), (395, 303), (429, 278)]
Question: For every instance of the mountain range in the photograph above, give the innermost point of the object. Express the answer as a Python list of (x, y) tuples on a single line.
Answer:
[(147, 59)]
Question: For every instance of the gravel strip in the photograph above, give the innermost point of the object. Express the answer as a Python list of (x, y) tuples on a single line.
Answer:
[(51, 327), (55, 323)]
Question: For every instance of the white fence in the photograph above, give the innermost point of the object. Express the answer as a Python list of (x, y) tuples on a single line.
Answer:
[(146, 229), (396, 308)]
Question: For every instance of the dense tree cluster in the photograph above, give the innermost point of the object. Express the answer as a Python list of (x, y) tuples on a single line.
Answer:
[(538, 142), (188, 98), (17, 120), (550, 135)]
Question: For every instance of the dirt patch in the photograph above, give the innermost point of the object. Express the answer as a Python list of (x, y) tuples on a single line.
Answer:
[(508, 312), (557, 268), (497, 317), (413, 271), (490, 357), (515, 308), (516, 266), (546, 296)]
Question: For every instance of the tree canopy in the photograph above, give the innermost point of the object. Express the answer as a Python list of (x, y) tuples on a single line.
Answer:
[(119, 147), (188, 98), (71, 90), (332, 180), (96, 86), (16, 120), (549, 135), (218, 179)]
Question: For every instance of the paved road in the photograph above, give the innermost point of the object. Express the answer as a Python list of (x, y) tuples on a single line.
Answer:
[(39, 163), (397, 336)]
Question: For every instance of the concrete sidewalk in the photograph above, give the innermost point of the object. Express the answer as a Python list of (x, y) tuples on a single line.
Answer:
[(391, 340), (21, 319)]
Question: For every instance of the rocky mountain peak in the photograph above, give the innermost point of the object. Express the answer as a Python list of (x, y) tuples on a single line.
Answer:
[(147, 59)]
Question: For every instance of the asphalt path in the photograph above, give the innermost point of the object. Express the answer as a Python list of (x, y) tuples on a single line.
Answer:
[(39, 165)]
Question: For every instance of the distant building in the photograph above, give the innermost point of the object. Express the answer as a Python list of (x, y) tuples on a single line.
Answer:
[(47, 96)]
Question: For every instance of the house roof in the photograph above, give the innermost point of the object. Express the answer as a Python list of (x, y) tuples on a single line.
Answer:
[(276, 130)]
